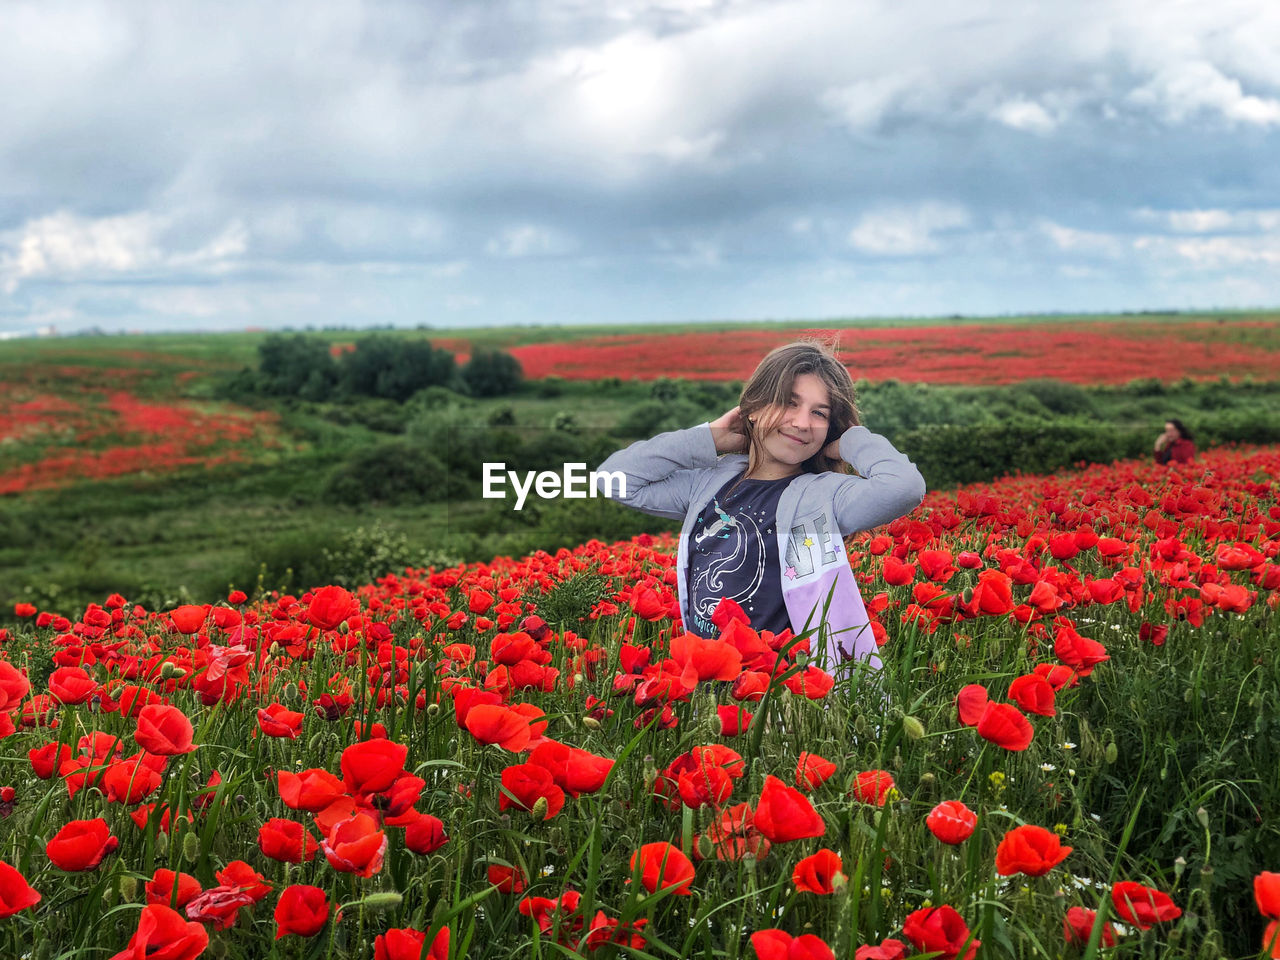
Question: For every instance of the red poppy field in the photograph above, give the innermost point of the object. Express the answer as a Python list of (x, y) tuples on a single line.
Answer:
[(1071, 751), (64, 423), (1085, 352)]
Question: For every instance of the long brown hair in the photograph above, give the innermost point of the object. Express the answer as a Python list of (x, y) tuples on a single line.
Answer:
[(767, 393)]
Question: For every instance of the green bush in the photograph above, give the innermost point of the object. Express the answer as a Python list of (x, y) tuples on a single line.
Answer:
[(492, 373), (391, 472)]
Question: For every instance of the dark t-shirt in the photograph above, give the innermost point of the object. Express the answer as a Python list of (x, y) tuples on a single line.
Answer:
[(733, 552)]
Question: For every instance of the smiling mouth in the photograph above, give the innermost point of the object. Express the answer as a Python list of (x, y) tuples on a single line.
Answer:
[(794, 439)]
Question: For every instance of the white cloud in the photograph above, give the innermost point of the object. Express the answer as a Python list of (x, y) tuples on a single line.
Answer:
[(1088, 242), (1214, 220), (905, 231), (1182, 91), (1024, 115), (865, 104), (65, 246), (528, 240)]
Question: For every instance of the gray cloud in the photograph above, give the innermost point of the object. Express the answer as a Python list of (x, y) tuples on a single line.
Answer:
[(183, 164)]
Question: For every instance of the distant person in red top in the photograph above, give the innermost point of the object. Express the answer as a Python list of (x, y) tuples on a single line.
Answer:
[(1175, 444)]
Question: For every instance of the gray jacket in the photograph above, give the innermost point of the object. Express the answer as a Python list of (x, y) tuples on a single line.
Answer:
[(676, 474)]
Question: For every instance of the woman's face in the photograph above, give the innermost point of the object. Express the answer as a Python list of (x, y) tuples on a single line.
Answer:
[(794, 432), (1172, 432)]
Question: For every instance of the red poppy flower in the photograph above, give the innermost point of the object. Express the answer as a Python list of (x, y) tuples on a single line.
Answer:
[(301, 910), (951, 822), (46, 760), (1057, 675), (896, 573), (81, 845), (286, 841), (873, 786), (971, 701), (279, 721), (133, 779), (817, 873), (71, 685), (710, 659), (940, 930), (1266, 893), (189, 618), (1004, 725), (218, 906), (780, 945), (811, 683), (1077, 928), (524, 784), (371, 766), (239, 874), (425, 834), (506, 878), (1142, 906), (331, 606), (734, 721), (14, 686), (494, 723), (355, 845), (885, 950), (164, 730), (163, 934), (1079, 653), (705, 785), (1271, 940), (405, 943), (812, 771), (992, 595), (784, 814), (15, 893), (24, 610), (605, 929), (1031, 850), (1034, 694), (310, 790), (663, 867), (171, 889)]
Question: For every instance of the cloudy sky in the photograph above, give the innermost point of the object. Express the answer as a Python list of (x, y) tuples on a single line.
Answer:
[(176, 165)]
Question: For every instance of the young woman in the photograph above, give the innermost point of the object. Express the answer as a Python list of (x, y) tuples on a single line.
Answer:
[(1175, 444), (766, 499)]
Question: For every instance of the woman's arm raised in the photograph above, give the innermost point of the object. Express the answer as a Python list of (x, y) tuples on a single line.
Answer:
[(889, 485)]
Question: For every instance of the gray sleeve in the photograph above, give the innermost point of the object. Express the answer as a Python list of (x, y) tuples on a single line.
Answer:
[(659, 474), (889, 487)]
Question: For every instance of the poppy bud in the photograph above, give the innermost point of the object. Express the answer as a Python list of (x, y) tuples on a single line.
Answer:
[(705, 847), (169, 671), (380, 902), (860, 725), (591, 723), (913, 728), (1179, 867), (1203, 816), (433, 709), (190, 846), (128, 887), (217, 948), (539, 810), (291, 691), (162, 844), (650, 772), (1112, 752), (966, 596), (317, 742), (273, 650)]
